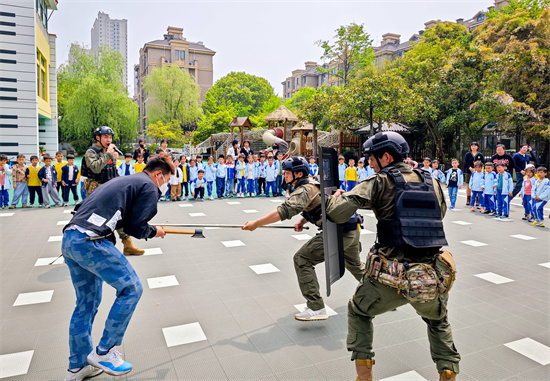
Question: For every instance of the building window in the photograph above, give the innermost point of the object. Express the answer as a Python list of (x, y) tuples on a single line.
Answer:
[(41, 71), (177, 54), (303, 80), (297, 81), (481, 17), (288, 84)]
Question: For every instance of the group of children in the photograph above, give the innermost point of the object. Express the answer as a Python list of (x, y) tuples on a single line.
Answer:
[(31, 181), (257, 175), (348, 174), (492, 187)]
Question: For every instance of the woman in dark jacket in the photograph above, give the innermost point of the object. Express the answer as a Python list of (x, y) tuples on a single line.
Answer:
[(469, 159), (246, 150), (142, 150)]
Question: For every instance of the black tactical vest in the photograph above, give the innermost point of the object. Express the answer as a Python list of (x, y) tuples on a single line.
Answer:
[(417, 215), (107, 173)]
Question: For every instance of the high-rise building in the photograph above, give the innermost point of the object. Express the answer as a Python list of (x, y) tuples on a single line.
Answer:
[(114, 34), (28, 78), (173, 49)]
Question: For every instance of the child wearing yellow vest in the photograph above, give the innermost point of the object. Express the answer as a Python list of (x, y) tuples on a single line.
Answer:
[(35, 185), (60, 163)]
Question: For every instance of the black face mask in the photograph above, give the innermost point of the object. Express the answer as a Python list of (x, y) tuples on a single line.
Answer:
[(142, 145)]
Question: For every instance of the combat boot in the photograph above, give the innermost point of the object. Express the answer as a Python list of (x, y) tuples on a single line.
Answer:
[(447, 375), (130, 249), (364, 370)]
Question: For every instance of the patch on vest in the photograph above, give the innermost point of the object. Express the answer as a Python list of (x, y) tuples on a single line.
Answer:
[(97, 220)]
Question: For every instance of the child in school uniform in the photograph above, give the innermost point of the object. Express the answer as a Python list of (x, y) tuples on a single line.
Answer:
[(342, 172), (270, 176), (197, 185), (175, 182), (489, 189), (261, 175), (256, 173), (20, 181), (313, 167), (427, 165), (140, 163), (351, 175), (184, 166), (436, 172), (529, 181), (240, 170), (58, 165), (221, 174), (5, 182), (361, 170), (250, 180), (48, 176), (126, 168), (35, 185), (210, 176), (454, 180), (476, 185), (230, 179), (279, 180), (505, 186), (69, 180), (541, 195)]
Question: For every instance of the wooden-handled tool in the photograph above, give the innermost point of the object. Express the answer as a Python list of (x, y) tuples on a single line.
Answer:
[(197, 233)]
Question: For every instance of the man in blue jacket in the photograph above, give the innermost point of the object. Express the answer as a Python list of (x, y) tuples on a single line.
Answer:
[(89, 251)]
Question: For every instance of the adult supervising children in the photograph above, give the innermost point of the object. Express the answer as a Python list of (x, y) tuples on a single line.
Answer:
[(405, 265), (89, 251), (305, 198)]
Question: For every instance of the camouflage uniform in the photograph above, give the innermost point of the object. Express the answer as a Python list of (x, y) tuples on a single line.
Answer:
[(372, 298), (306, 198), (96, 165)]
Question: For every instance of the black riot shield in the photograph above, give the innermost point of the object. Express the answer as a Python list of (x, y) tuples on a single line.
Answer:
[(332, 237)]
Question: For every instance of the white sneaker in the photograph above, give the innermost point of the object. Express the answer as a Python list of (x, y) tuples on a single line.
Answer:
[(87, 371), (211, 198), (112, 363), (310, 315)]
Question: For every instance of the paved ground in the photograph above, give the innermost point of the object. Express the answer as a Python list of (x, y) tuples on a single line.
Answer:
[(206, 315)]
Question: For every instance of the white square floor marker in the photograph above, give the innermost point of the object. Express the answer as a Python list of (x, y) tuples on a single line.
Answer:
[(55, 238), (162, 281), (62, 223), (233, 243), (365, 231), (264, 269), (463, 223), (185, 205), (454, 210), (494, 278), (153, 251), (233, 203), (302, 237), (197, 214), (15, 364), (277, 201), (523, 237), (547, 265), (47, 261), (67, 211), (473, 243), (6, 214), (531, 349), (302, 308), (183, 334), (409, 376), (249, 211), (33, 298)]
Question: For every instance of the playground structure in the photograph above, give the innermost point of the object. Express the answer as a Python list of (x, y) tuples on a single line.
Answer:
[(294, 137)]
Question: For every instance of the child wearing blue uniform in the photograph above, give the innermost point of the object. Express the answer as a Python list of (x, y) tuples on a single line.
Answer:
[(454, 180), (529, 182), (230, 179), (489, 186), (279, 181), (197, 185), (476, 185), (313, 167), (342, 172), (126, 168), (240, 170), (541, 195), (250, 176), (270, 176), (69, 180), (361, 170), (209, 176), (261, 175), (193, 170), (221, 174), (436, 172), (505, 186)]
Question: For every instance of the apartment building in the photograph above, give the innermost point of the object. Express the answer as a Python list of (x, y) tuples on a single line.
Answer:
[(28, 78), (313, 75), (114, 34), (173, 49)]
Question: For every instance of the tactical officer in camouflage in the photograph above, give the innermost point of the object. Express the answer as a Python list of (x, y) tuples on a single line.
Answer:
[(406, 264), (305, 198), (99, 166)]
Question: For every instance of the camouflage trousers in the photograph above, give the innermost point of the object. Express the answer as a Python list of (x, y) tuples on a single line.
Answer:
[(90, 186), (312, 253), (372, 298)]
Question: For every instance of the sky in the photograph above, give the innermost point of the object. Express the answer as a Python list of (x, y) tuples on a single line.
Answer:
[(269, 39)]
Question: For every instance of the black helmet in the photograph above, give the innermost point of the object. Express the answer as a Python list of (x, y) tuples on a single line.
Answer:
[(296, 164), (388, 141), (103, 130)]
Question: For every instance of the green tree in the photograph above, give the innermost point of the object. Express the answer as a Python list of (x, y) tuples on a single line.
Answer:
[(518, 38), (351, 49), (170, 131), (91, 94), (172, 96), (213, 124), (303, 94), (244, 93)]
